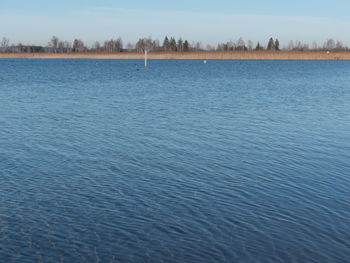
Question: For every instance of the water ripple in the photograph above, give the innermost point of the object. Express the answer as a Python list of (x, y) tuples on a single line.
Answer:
[(232, 162)]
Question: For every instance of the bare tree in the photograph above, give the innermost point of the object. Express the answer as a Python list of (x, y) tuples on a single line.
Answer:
[(146, 44), (240, 44), (119, 44), (130, 47), (68, 46), (78, 46), (141, 45), (108, 46), (314, 45), (339, 45), (250, 45), (300, 46), (20, 48), (4, 44), (61, 46), (198, 46), (97, 46), (290, 45), (210, 47), (155, 45), (54, 43), (330, 44)]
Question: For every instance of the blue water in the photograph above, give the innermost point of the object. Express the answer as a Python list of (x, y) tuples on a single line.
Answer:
[(104, 161)]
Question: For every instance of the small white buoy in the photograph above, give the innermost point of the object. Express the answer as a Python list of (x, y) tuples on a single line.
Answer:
[(145, 58), (205, 62)]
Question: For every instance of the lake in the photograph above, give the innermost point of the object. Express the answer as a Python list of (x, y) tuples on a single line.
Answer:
[(229, 161)]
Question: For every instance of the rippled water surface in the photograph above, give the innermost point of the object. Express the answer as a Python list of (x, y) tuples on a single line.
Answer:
[(104, 161)]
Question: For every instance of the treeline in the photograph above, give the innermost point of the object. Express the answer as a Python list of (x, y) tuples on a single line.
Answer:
[(169, 44)]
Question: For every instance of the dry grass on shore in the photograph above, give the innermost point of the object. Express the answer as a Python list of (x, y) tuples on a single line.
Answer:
[(227, 55)]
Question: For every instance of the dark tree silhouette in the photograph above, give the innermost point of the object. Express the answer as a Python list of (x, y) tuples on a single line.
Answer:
[(277, 45), (166, 44), (271, 44), (172, 44), (186, 46)]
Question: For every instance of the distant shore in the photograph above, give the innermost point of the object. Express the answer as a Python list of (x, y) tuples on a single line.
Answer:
[(203, 55)]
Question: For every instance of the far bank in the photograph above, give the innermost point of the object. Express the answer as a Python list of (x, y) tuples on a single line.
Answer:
[(203, 55)]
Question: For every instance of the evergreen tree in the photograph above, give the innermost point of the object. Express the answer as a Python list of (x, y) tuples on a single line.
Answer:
[(180, 45), (186, 46), (258, 47), (166, 45), (277, 45), (271, 44), (172, 44)]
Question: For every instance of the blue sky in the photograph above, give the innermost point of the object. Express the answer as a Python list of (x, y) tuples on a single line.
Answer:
[(34, 22)]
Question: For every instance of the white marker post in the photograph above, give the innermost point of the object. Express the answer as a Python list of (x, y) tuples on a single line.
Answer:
[(145, 58)]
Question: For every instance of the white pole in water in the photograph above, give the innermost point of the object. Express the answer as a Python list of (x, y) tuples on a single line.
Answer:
[(145, 58)]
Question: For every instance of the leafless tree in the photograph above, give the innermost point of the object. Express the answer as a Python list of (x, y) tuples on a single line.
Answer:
[(220, 47), (141, 45), (155, 45), (20, 48), (230, 45), (97, 46), (240, 45), (130, 47), (210, 47), (300, 46), (113, 45), (250, 45), (61, 46), (290, 45), (197, 46), (78, 46), (54, 43), (330, 44), (148, 44), (119, 44), (68, 46), (339, 45), (4, 44)]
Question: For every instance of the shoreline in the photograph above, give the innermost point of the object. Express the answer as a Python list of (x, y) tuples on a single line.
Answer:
[(202, 55)]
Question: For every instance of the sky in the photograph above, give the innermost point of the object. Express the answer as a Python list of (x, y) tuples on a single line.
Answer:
[(208, 21)]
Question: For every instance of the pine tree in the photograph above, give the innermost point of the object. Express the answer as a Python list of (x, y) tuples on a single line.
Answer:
[(277, 45), (180, 45), (258, 47), (172, 44), (186, 46), (166, 45), (271, 44)]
